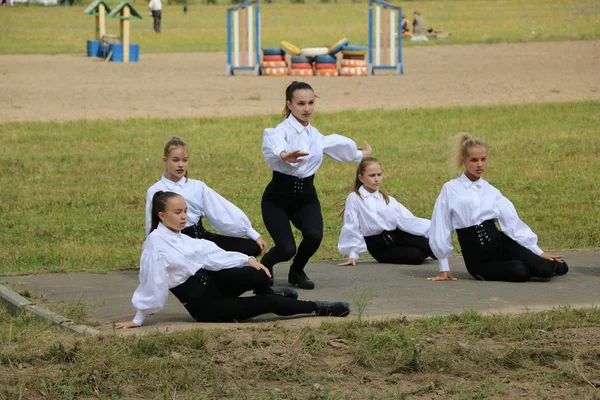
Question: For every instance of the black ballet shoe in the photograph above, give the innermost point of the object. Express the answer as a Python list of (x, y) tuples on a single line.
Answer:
[(300, 279), (332, 308), (560, 268), (284, 292)]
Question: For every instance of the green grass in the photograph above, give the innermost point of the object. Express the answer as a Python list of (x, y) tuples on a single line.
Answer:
[(73, 193), (56, 30), (553, 353)]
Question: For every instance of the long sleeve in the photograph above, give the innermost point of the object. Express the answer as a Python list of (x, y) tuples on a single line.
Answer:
[(511, 225), (273, 144), (225, 216), (148, 211), (440, 232), (216, 259), (407, 222), (351, 241), (153, 290), (340, 148)]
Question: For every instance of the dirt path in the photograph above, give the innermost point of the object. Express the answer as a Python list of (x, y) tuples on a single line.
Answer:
[(67, 87)]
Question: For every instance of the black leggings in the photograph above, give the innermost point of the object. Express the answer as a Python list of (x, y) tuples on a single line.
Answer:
[(304, 212), (241, 245), (503, 259), (219, 301), (399, 247), (227, 243)]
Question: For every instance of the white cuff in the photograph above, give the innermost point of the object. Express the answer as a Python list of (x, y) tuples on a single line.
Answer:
[(139, 318), (444, 265), (252, 234), (353, 255), (359, 156)]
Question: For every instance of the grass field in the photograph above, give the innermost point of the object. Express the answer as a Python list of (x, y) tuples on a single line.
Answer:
[(548, 355), (56, 30), (73, 193)]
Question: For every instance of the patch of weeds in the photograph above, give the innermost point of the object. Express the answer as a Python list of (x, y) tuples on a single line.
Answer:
[(75, 311), (147, 347), (362, 299), (58, 352), (314, 340), (490, 388), (399, 350), (548, 356), (325, 394), (513, 359), (195, 339)]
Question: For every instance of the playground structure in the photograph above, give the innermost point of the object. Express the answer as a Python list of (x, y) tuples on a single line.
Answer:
[(244, 20), (244, 41), (113, 47), (388, 41)]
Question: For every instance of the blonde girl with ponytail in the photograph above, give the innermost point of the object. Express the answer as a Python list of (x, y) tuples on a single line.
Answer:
[(474, 209)]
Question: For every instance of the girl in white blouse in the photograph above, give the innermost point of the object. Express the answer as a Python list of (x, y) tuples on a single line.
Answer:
[(204, 202), (294, 151), (376, 222), (471, 206), (206, 279)]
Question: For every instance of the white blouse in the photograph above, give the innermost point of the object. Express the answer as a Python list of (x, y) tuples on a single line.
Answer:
[(463, 203), (202, 201), (168, 260), (368, 215), (291, 135)]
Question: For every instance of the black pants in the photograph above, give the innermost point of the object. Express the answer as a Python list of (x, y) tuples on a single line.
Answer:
[(398, 247), (241, 245), (213, 296), (157, 15), (490, 255), (287, 199)]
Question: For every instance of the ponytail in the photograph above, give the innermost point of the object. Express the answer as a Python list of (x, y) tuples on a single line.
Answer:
[(462, 143), (159, 204)]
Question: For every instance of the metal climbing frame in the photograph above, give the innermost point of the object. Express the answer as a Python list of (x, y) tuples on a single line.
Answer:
[(243, 52), (385, 37)]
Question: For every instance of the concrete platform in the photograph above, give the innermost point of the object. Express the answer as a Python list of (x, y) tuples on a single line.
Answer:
[(396, 290)]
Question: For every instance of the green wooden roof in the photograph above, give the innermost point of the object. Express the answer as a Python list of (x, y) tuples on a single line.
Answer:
[(92, 9), (116, 13)]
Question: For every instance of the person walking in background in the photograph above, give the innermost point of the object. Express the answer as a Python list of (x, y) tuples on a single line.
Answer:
[(155, 7)]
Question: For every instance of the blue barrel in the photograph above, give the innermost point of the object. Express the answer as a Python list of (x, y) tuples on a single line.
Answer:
[(93, 48), (134, 52), (117, 52)]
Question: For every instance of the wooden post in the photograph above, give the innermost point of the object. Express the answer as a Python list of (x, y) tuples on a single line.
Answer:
[(125, 29), (101, 22)]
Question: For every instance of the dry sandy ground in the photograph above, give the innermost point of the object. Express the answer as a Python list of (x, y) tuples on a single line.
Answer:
[(67, 87)]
